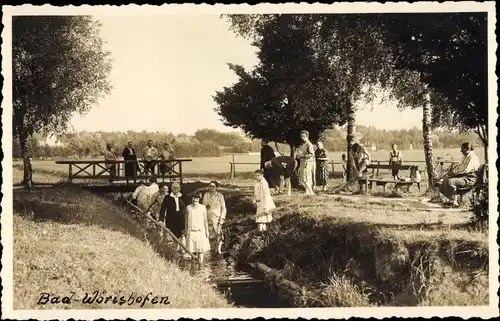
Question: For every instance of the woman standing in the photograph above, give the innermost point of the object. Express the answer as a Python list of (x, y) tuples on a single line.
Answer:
[(130, 158), (196, 234), (173, 211), (263, 201), (305, 153), (216, 210), (321, 166)]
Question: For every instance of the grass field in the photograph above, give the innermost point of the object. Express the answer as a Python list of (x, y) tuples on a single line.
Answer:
[(69, 240)]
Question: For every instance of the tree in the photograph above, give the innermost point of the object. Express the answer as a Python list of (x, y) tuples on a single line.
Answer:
[(291, 89), (59, 68), (449, 50)]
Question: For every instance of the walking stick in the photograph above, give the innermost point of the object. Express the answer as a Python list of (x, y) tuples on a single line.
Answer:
[(344, 185), (163, 228)]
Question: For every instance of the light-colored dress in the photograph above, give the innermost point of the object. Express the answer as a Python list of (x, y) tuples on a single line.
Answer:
[(307, 166), (216, 208), (197, 229), (264, 200)]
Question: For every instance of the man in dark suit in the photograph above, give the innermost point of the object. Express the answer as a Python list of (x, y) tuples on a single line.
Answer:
[(173, 211), (266, 154)]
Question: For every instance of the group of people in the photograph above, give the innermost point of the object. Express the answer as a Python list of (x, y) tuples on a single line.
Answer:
[(150, 156), (312, 166), (196, 224)]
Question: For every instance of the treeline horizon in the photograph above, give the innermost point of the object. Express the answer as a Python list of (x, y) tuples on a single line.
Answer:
[(213, 143)]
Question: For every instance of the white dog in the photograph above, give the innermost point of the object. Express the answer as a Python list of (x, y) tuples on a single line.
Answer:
[(415, 176)]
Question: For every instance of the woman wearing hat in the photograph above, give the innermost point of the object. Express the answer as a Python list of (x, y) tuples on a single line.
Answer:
[(196, 232)]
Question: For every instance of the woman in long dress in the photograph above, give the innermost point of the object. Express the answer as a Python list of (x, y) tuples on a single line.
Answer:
[(305, 153), (216, 209), (263, 201), (321, 166), (197, 238), (130, 158)]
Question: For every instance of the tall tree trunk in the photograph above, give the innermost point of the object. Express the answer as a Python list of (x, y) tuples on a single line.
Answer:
[(23, 141), (427, 136), (482, 131), (351, 129)]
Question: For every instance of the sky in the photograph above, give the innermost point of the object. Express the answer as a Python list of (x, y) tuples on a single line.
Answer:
[(167, 68)]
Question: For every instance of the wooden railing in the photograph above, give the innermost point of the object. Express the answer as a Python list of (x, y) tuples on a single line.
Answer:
[(115, 170)]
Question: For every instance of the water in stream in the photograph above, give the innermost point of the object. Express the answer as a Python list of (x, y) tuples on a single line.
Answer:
[(241, 288)]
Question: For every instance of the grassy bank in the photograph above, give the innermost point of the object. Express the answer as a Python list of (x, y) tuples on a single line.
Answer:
[(68, 240), (362, 253)]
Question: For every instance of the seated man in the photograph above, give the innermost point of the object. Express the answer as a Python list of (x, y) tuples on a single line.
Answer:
[(462, 176), (284, 166)]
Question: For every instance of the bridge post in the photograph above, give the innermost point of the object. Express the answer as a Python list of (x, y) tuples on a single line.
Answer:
[(70, 173), (180, 172)]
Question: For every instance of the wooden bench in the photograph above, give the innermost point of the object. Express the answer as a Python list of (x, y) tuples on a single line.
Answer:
[(369, 181)]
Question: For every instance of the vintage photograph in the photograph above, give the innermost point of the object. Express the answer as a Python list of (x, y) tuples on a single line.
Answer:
[(214, 157)]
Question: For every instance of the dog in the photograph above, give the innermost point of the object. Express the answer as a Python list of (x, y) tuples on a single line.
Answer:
[(415, 176)]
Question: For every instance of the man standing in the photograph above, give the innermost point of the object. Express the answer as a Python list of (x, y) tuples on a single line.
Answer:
[(166, 154), (462, 176), (266, 154), (110, 161), (149, 155)]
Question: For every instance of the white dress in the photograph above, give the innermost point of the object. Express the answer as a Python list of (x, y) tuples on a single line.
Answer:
[(196, 229), (265, 203)]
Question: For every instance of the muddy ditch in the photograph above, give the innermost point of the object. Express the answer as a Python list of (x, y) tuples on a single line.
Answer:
[(335, 262)]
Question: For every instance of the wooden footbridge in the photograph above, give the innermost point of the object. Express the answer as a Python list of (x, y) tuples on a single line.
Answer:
[(121, 175)]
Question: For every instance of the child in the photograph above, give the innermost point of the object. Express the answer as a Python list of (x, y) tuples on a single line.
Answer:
[(344, 166), (197, 238), (263, 201), (395, 161)]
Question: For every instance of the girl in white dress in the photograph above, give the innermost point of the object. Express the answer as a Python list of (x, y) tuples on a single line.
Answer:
[(263, 201), (197, 240)]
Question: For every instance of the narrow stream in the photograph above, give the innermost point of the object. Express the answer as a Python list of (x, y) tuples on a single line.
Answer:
[(240, 288)]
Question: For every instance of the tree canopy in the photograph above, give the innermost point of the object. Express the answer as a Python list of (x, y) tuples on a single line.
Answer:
[(59, 68), (291, 89), (449, 52)]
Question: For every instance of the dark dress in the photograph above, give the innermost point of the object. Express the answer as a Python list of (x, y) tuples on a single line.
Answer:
[(287, 170), (131, 168), (266, 154), (174, 220), (321, 167)]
